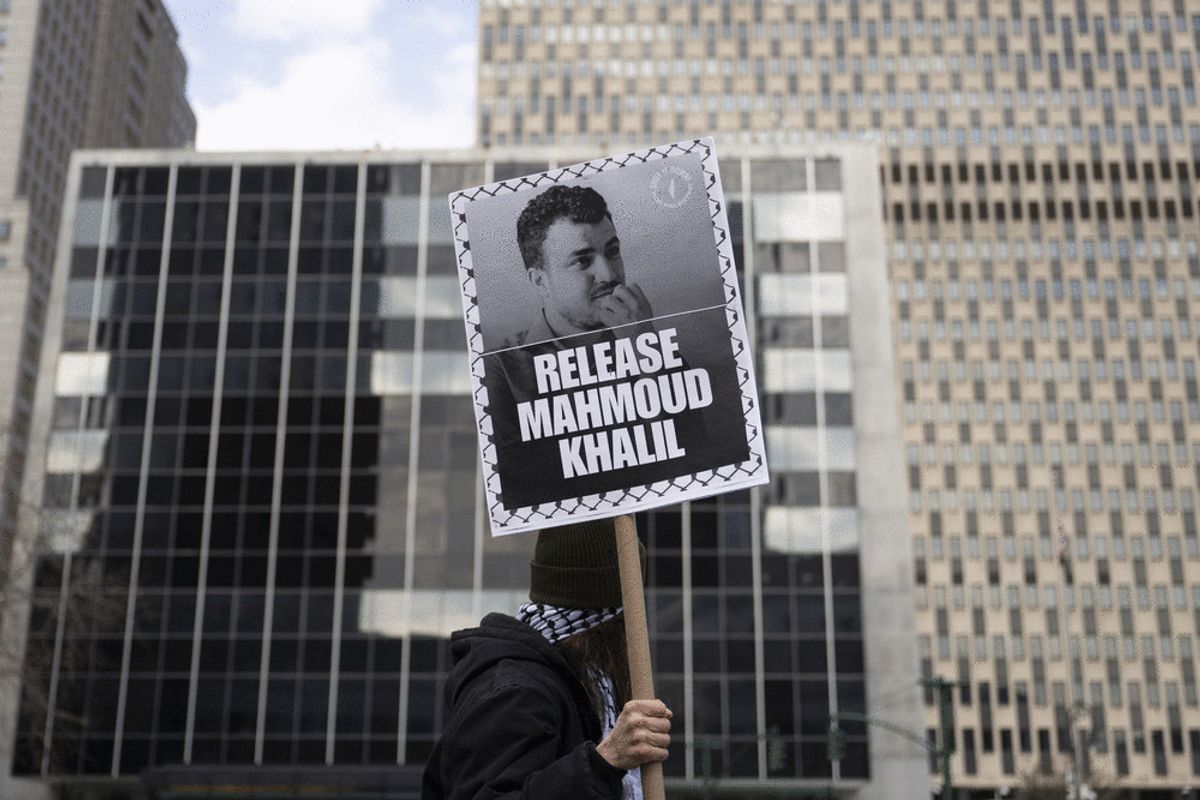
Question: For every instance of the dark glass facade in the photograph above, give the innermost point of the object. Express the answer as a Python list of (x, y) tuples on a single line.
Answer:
[(259, 450)]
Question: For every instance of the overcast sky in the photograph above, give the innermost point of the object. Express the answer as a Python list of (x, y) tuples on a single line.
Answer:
[(329, 74)]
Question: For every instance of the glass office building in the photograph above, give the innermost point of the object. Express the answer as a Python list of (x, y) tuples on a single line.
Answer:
[(257, 466)]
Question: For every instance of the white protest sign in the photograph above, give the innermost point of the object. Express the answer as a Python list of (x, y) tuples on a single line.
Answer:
[(610, 365)]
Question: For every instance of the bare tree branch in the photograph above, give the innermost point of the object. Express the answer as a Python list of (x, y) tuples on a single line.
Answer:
[(38, 644)]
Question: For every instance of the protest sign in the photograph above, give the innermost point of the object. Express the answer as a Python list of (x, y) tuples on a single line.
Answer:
[(610, 364)]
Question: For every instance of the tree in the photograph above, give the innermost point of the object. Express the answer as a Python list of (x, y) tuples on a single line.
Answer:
[(37, 643)]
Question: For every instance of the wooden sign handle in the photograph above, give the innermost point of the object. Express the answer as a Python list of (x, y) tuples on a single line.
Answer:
[(637, 635)]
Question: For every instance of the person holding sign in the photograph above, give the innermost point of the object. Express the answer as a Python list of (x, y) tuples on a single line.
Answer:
[(539, 703)]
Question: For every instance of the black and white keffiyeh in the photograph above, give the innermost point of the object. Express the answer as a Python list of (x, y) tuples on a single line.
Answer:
[(557, 624), (631, 784)]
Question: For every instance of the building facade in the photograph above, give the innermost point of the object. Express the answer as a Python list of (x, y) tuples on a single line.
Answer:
[(137, 86), (257, 461), (1038, 164), (99, 73)]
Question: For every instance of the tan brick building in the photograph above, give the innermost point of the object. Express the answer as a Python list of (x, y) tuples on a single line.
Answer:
[(1038, 163)]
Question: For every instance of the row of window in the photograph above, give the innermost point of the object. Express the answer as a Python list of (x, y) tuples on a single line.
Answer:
[(1020, 694), (779, 97), (983, 412), (988, 287), (1000, 502), (955, 66), (1159, 457), (1028, 372), (1047, 175), (1131, 332), (972, 29), (1082, 547), (320, 180), (1046, 765), (1113, 649), (1050, 210)]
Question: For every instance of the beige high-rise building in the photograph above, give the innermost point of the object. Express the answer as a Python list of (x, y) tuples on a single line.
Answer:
[(136, 90), (1038, 164), (72, 73)]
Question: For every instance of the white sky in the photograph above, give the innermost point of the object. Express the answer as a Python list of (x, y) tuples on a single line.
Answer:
[(329, 74)]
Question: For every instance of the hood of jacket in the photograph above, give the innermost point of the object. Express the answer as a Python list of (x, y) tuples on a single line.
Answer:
[(500, 637)]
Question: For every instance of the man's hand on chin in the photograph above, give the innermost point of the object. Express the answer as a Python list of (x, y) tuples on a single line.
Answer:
[(626, 304)]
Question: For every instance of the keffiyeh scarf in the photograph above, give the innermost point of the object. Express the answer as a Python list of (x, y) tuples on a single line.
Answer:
[(556, 624)]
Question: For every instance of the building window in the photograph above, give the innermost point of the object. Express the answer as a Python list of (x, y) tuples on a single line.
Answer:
[(828, 175)]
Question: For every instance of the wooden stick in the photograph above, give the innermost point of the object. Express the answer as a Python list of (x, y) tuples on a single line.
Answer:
[(637, 635)]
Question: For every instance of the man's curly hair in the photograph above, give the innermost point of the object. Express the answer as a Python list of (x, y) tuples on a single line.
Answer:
[(574, 203)]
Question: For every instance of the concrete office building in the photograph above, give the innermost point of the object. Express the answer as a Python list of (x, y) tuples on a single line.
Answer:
[(138, 70), (1039, 160), (98, 73), (257, 449)]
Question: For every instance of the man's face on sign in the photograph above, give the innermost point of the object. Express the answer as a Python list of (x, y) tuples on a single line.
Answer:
[(581, 268)]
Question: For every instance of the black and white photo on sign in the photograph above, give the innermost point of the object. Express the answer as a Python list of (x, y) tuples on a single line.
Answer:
[(657, 232), (607, 340)]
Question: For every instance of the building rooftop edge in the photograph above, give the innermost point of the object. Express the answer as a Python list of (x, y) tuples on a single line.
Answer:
[(557, 154)]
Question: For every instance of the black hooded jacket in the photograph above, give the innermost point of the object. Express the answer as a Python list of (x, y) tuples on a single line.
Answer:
[(520, 724)]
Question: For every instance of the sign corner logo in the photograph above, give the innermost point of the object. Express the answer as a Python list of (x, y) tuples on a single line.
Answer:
[(671, 186)]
